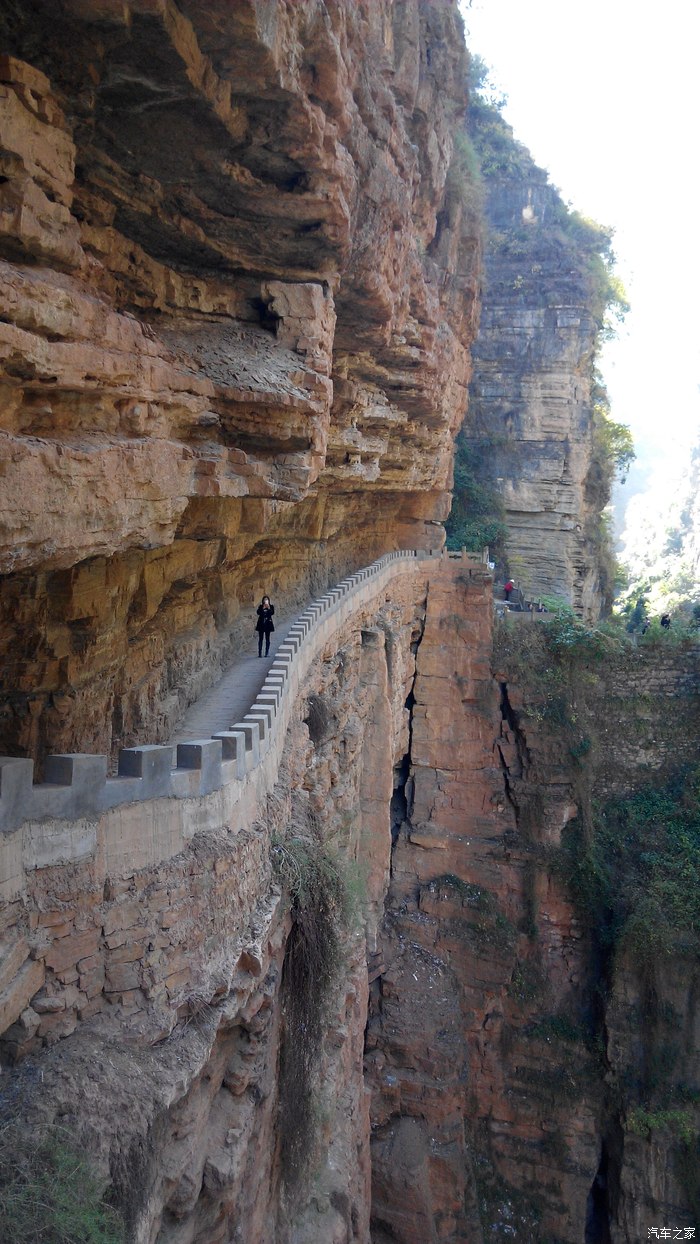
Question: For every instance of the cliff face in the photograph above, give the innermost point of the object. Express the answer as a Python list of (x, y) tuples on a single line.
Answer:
[(473, 1122), (238, 288), (530, 432), (236, 306), (515, 1073), (526, 1079), (165, 1023)]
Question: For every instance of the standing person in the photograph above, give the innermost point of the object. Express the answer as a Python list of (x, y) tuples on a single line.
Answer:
[(508, 589), (264, 625)]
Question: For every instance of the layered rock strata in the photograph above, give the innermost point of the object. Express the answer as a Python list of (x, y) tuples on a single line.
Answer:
[(531, 427), (236, 307), (502, 1054), (446, 787), (472, 1109), (162, 986)]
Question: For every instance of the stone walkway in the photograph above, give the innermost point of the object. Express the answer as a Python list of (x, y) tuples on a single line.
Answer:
[(229, 699)]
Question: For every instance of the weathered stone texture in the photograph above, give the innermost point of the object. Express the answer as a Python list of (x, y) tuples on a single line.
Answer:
[(472, 1108), (175, 970), (530, 421), (233, 334), (484, 1110)]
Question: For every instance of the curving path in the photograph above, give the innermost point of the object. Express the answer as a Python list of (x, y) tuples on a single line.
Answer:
[(230, 740), (230, 698), (165, 796)]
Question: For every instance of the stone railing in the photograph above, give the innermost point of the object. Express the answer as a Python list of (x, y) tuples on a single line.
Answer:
[(77, 787), (150, 810), (104, 903)]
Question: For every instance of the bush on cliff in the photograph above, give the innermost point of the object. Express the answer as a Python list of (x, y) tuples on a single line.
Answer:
[(322, 902), (477, 516), (49, 1193), (638, 880)]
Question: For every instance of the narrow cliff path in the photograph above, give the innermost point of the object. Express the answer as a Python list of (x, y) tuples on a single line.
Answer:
[(229, 699)]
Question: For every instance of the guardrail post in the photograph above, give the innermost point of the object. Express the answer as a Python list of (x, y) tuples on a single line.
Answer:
[(152, 764), (206, 756), (72, 787), (16, 774), (251, 734), (233, 748)]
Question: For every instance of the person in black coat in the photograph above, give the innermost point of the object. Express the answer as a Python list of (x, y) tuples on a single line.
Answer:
[(264, 625)]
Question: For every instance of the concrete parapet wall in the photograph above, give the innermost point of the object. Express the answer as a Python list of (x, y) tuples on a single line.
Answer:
[(162, 796), (140, 905), (77, 786)]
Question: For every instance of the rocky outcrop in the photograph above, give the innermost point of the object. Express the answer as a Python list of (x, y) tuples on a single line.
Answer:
[(238, 284), (505, 1047), (160, 988), (502, 1053), (530, 433), (233, 332), (473, 1126)]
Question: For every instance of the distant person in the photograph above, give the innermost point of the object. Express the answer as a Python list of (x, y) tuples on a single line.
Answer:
[(264, 625), (508, 589), (665, 620)]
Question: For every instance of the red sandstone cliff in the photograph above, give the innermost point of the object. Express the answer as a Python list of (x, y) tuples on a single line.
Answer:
[(236, 310), (236, 307)]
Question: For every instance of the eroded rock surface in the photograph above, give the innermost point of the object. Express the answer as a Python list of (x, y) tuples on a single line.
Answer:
[(472, 1105), (156, 1016), (531, 429), (236, 307), (504, 1050)]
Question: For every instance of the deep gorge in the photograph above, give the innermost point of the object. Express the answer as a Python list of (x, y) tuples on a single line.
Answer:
[(395, 973)]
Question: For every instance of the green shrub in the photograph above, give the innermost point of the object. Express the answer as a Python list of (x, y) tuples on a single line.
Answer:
[(637, 881), (477, 517), (642, 1122), (322, 905), (464, 180), (527, 982), (50, 1194)]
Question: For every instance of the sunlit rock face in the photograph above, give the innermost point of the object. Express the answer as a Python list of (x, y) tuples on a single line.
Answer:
[(162, 1025), (531, 421), (506, 1049), (473, 1129), (236, 308)]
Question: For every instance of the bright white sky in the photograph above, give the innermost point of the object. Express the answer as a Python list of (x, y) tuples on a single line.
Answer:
[(605, 96)]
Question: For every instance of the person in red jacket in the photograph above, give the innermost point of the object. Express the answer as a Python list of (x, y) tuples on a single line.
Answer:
[(508, 589)]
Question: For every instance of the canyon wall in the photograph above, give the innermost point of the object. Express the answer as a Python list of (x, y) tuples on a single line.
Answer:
[(238, 271), (150, 998), (525, 1080), (237, 300), (531, 435), (441, 783)]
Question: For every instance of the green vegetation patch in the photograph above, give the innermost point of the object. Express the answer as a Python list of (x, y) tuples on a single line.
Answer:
[(50, 1194), (558, 1027), (486, 924), (642, 1122), (527, 983), (323, 901), (477, 517), (637, 881)]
